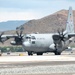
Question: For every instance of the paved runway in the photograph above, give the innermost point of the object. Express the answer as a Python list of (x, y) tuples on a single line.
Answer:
[(36, 58), (48, 64)]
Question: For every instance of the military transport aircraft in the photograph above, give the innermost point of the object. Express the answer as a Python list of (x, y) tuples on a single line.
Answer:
[(42, 43)]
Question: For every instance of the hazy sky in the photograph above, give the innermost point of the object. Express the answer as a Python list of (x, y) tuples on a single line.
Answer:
[(31, 9)]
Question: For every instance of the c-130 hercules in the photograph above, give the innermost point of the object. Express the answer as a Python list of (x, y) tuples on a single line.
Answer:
[(42, 43)]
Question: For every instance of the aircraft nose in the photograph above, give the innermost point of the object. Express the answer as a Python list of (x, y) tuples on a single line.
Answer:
[(26, 44)]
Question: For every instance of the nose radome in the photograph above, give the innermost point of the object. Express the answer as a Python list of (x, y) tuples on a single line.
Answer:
[(26, 44)]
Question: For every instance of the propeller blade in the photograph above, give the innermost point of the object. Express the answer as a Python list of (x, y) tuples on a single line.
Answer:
[(58, 31), (21, 33), (22, 28), (1, 33), (2, 41), (62, 32), (17, 33), (17, 28)]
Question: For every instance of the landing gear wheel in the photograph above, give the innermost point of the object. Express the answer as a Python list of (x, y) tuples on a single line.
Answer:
[(30, 53), (39, 53), (57, 53)]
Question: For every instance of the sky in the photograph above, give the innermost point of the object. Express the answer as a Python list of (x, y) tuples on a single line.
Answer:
[(31, 9)]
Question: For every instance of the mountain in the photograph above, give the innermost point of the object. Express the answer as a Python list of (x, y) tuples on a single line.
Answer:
[(50, 23), (11, 25)]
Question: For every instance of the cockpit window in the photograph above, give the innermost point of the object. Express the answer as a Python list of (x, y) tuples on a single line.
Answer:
[(33, 37), (28, 37)]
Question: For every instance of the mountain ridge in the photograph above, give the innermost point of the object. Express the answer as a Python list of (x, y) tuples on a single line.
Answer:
[(47, 24), (11, 25)]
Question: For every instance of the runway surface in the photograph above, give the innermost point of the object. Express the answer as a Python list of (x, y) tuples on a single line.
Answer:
[(36, 58), (48, 64)]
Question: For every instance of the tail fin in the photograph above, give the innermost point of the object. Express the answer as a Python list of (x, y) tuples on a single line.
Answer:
[(70, 24)]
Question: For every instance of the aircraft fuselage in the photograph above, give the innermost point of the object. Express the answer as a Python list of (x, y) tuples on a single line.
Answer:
[(40, 43)]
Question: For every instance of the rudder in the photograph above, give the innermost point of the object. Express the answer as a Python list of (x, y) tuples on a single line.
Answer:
[(70, 23)]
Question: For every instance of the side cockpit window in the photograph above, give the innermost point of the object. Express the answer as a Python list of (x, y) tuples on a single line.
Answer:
[(33, 37), (28, 37)]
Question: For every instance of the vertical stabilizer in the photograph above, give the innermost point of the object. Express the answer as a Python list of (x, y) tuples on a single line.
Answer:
[(70, 23)]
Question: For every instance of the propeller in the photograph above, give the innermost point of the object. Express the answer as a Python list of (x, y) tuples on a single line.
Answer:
[(19, 32), (1, 39), (60, 36)]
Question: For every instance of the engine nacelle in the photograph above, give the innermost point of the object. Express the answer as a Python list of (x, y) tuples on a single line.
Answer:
[(69, 49), (13, 43), (52, 46), (71, 39)]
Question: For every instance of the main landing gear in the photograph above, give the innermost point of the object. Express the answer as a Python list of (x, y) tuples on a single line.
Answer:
[(57, 53), (38, 53)]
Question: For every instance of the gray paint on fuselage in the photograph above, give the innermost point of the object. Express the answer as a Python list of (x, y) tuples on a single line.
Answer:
[(42, 43)]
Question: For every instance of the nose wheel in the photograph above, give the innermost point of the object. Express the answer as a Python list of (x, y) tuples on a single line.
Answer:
[(30, 53)]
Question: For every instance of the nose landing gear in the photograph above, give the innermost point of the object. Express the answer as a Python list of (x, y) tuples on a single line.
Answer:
[(30, 53)]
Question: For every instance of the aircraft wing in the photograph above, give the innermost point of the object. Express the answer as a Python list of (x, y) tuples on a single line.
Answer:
[(71, 34), (8, 36), (11, 36), (58, 36), (17, 39)]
